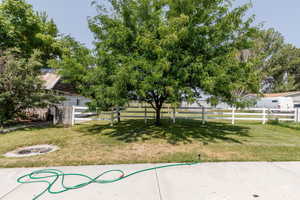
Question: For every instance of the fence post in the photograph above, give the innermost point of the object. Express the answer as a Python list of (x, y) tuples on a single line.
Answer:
[(297, 110), (54, 115), (112, 117), (264, 116), (203, 115), (119, 114), (174, 115), (73, 115), (145, 115), (233, 116)]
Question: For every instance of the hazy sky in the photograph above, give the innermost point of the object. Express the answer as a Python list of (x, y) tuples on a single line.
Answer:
[(71, 16)]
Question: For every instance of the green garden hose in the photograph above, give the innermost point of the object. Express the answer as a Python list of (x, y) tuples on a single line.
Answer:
[(41, 176)]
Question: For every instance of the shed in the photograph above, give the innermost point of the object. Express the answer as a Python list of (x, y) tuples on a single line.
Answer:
[(53, 81)]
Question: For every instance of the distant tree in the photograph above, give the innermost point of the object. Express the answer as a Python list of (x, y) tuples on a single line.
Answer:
[(285, 70), (279, 62), (20, 85), (268, 44), (74, 63), (23, 28)]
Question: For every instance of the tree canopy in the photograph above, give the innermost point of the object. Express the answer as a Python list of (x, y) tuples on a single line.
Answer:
[(285, 70), (153, 51), (28, 40), (74, 63), (20, 85), (23, 28), (279, 62), (167, 51)]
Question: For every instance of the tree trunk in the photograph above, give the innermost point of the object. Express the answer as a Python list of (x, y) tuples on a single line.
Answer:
[(157, 118)]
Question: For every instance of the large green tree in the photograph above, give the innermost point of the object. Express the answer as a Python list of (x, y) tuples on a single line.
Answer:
[(167, 51), (23, 28), (20, 85)]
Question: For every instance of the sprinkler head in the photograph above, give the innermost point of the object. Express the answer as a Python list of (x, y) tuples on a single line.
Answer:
[(199, 156)]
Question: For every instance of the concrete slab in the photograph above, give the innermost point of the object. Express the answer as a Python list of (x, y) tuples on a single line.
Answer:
[(8, 179), (229, 181), (205, 181), (141, 186), (291, 167)]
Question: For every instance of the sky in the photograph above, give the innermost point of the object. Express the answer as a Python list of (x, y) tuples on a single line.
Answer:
[(71, 16)]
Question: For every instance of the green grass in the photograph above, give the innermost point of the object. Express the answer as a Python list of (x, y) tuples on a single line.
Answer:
[(132, 141)]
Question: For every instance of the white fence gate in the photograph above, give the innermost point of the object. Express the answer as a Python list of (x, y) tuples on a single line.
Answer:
[(81, 114)]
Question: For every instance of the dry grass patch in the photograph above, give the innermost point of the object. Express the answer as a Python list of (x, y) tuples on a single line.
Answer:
[(134, 142)]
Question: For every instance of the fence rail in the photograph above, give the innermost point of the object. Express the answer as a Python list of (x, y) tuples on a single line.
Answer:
[(82, 114)]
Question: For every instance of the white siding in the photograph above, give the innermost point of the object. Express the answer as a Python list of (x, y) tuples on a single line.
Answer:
[(296, 99)]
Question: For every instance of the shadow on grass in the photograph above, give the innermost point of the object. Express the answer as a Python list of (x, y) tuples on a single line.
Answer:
[(184, 131)]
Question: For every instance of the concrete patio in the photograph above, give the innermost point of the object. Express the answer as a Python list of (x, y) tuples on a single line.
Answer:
[(204, 181)]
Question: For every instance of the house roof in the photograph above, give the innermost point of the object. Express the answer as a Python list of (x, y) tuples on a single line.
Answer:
[(65, 88), (282, 94), (50, 79)]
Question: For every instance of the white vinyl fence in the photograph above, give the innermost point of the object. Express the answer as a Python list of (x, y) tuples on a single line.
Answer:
[(81, 114)]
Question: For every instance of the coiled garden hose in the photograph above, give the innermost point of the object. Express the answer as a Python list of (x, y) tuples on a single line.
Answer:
[(41, 176)]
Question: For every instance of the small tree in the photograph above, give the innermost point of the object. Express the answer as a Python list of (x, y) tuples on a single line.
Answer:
[(166, 51), (74, 64), (20, 86)]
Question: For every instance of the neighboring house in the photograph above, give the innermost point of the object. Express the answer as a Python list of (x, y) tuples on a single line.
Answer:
[(52, 81), (203, 101), (294, 95)]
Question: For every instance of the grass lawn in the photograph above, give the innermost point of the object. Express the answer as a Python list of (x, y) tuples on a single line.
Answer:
[(132, 141)]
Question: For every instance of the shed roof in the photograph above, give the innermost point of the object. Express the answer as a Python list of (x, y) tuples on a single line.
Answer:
[(50, 79)]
